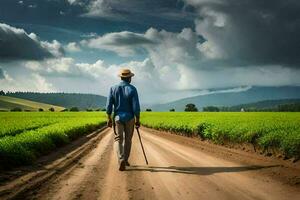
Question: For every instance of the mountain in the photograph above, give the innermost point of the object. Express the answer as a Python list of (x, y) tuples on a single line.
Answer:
[(66, 100), (8, 103), (251, 95), (264, 105)]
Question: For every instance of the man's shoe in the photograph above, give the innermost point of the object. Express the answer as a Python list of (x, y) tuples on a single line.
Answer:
[(127, 163), (122, 165)]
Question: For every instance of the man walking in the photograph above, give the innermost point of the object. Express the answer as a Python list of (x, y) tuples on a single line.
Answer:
[(123, 102)]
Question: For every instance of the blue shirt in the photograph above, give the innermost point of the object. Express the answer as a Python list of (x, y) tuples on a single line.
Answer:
[(123, 100)]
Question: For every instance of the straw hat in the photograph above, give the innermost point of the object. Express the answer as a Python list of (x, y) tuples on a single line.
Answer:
[(125, 73)]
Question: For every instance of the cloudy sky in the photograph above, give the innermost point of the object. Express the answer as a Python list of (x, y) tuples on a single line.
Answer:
[(176, 48)]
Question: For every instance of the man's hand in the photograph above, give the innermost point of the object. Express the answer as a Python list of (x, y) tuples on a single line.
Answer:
[(109, 123), (137, 123)]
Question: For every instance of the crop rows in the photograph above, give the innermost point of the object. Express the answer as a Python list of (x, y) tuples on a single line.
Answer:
[(26, 136), (277, 131)]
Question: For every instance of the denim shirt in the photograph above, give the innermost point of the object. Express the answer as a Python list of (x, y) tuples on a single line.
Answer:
[(123, 100)]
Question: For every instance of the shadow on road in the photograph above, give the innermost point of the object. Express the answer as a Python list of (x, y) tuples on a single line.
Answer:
[(197, 170)]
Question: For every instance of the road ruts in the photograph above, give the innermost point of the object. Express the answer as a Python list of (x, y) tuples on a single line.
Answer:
[(175, 171)]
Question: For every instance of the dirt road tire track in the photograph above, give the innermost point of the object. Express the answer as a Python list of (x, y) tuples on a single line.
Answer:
[(177, 170), (50, 166)]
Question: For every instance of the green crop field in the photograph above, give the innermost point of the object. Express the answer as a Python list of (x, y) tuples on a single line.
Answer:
[(269, 131), (26, 136)]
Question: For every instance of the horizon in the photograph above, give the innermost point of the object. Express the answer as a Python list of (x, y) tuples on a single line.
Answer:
[(176, 48)]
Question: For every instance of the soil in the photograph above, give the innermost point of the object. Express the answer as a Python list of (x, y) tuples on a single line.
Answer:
[(179, 168)]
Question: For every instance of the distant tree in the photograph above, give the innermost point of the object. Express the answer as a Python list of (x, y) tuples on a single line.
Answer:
[(148, 110), (40, 109), (51, 109), (103, 109), (2, 93), (190, 108), (16, 109), (64, 110), (74, 109), (211, 109), (89, 110), (172, 110), (227, 109), (294, 107), (98, 109)]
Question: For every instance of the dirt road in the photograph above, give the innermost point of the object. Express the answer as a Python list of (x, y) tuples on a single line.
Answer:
[(177, 170)]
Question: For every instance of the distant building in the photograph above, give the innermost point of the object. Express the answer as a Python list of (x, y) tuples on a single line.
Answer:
[(242, 110)]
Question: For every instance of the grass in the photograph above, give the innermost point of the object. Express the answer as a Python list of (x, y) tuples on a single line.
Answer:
[(267, 130), (27, 136), (7, 103)]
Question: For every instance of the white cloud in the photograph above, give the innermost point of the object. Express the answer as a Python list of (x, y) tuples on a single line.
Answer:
[(95, 70), (98, 8), (74, 1), (58, 66), (55, 48), (32, 82), (72, 47)]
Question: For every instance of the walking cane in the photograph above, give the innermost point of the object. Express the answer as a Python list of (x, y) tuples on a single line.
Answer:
[(137, 129)]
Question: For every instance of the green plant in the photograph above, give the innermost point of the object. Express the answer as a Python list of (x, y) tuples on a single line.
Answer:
[(17, 109), (268, 130), (26, 136)]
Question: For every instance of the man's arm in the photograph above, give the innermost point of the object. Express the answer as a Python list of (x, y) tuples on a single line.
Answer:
[(136, 108), (109, 107)]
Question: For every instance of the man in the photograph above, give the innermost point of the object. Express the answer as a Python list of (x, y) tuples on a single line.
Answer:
[(123, 102)]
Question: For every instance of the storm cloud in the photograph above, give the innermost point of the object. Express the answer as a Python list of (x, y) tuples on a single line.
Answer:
[(250, 32), (16, 44), (1, 74)]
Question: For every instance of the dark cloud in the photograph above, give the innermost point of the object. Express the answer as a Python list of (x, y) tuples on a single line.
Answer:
[(156, 13), (125, 43), (126, 38), (118, 15), (251, 32), (17, 44), (1, 74), (129, 8)]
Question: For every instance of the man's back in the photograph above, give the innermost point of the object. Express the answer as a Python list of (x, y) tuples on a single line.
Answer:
[(123, 100)]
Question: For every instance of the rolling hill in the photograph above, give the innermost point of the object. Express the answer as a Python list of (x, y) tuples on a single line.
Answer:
[(67, 100), (254, 94), (264, 105), (7, 103)]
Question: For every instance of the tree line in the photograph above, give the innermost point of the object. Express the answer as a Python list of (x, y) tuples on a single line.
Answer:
[(291, 107)]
